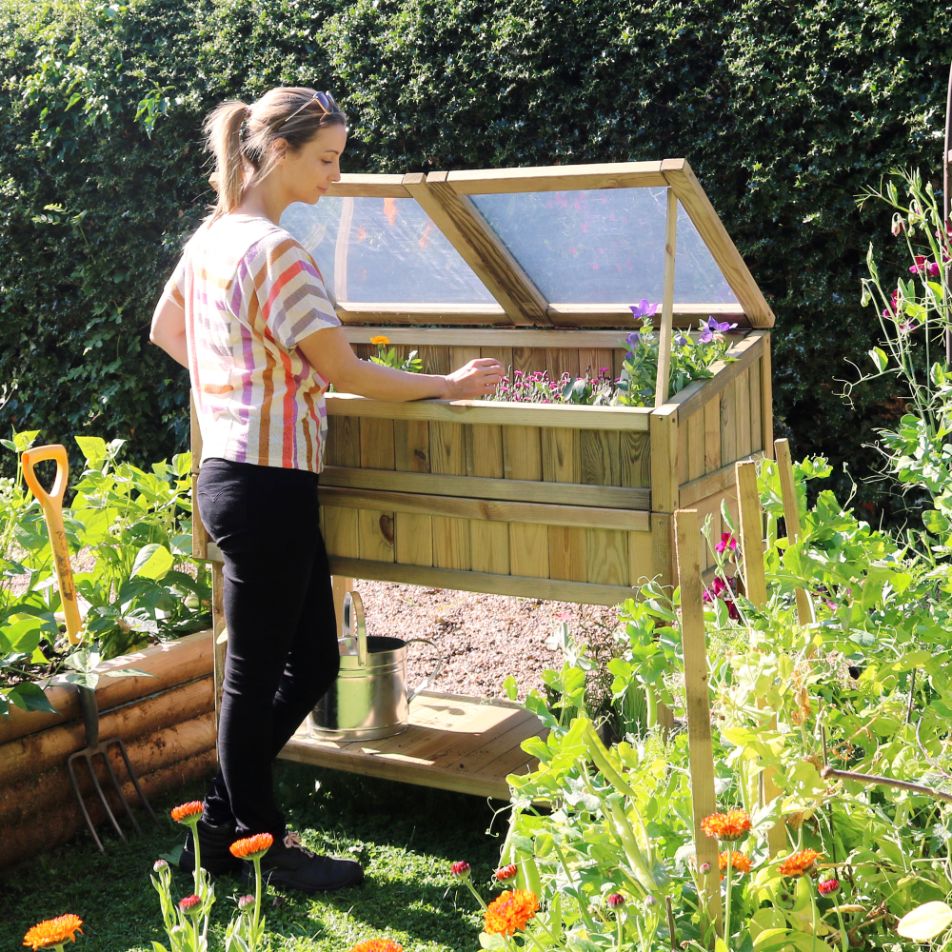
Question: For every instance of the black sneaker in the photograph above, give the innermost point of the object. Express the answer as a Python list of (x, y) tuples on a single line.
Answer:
[(214, 842), (291, 865)]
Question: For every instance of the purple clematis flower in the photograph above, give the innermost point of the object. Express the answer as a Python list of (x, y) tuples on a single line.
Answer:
[(714, 326), (644, 308)]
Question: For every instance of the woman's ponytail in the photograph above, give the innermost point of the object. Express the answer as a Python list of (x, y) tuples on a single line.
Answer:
[(223, 139)]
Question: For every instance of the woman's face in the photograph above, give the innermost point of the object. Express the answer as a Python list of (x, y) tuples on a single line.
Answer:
[(309, 171)]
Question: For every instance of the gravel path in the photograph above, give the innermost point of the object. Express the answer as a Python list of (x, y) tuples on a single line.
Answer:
[(483, 637)]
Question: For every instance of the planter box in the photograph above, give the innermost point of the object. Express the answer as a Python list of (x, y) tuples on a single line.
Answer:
[(167, 722), (571, 503)]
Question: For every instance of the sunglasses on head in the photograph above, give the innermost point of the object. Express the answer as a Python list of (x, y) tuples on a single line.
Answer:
[(324, 100)]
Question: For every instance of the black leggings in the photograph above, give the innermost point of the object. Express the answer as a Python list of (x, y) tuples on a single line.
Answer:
[(282, 632)]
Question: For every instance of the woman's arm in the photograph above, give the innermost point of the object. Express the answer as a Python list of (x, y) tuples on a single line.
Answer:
[(168, 329), (330, 354)]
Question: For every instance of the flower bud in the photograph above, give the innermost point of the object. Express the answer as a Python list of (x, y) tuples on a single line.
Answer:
[(159, 865), (704, 868), (189, 903), (898, 225), (246, 902), (460, 868), (615, 900), (827, 887), (505, 872)]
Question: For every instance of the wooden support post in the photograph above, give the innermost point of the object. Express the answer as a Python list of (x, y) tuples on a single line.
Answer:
[(791, 519), (700, 750), (667, 302), (755, 587)]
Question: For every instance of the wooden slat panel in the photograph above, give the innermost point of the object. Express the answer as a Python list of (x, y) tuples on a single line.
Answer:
[(529, 550), (376, 444), (742, 418), (343, 441), (339, 528), (451, 543), (521, 586), (600, 457), (485, 509), (522, 452), (474, 487), (560, 456), (606, 556), (411, 444), (744, 353), (489, 546), (413, 538), (635, 454), (728, 401), (641, 564), (712, 437), (720, 481), (375, 535), (633, 419), (695, 431), (484, 450), (756, 409), (567, 553), (446, 449), (436, 359)]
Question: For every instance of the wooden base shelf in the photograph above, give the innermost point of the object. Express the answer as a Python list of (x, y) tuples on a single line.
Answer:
[(453, 742)]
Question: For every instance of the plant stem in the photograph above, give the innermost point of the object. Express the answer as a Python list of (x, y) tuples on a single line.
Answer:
[(257, 913), (813, 905), (844, 938), (727, 901)]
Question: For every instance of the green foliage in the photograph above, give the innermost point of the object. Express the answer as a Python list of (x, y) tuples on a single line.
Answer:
[(785, 112), (139, 580)]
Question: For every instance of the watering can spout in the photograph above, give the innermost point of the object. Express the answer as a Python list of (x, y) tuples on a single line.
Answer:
[(354, 637)]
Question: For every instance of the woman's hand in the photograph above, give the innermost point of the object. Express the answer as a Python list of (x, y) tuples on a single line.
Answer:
[(478, 378)]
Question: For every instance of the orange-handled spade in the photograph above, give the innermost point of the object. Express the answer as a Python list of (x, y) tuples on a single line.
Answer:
[(52, 503)]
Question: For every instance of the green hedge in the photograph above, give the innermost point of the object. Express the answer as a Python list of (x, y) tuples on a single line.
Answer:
[(786, 111)]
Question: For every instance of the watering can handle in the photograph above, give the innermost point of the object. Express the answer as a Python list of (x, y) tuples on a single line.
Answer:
[(353, 622), (428, 680), (52, 504)]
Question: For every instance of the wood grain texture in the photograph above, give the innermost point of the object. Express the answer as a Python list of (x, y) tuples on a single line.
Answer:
[(697, 700)]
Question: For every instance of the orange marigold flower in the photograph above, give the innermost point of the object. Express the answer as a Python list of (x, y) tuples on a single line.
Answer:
[(798, 863), (727, 826), (185, 811), (740, 863), (50, 932), (505, 872), (380, 340), (510, 912), (377, 945), (251, 847)]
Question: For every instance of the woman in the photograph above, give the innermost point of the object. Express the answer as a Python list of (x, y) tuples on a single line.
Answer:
[(247, 313)]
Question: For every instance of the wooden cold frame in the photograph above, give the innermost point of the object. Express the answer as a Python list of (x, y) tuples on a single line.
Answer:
[(570, 503)]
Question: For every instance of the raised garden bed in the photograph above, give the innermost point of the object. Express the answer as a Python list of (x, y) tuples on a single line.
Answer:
[(166, 719)]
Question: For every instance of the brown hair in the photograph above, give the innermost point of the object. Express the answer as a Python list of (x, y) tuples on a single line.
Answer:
[(239, 136)]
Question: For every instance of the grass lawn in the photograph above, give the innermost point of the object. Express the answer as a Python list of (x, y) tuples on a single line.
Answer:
[(405, 836)]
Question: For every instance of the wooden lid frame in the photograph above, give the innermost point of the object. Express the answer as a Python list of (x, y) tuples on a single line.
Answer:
[(445, 198)]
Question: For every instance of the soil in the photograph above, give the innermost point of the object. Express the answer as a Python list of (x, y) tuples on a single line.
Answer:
[(483, 638)]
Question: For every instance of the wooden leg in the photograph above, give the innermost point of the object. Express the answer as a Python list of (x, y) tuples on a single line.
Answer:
[(700, 750)]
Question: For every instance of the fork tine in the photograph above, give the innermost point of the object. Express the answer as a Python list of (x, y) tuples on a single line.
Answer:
[(71, 770), (115, 782), (134, 778), (112, 817)]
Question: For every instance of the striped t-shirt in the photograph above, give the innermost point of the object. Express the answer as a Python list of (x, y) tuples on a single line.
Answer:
[(251, 293)]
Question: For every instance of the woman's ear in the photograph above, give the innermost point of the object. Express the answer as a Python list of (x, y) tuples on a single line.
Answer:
[(279, 148)]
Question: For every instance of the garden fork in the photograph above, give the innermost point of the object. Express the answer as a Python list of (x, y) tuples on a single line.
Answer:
[(52, 505)]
